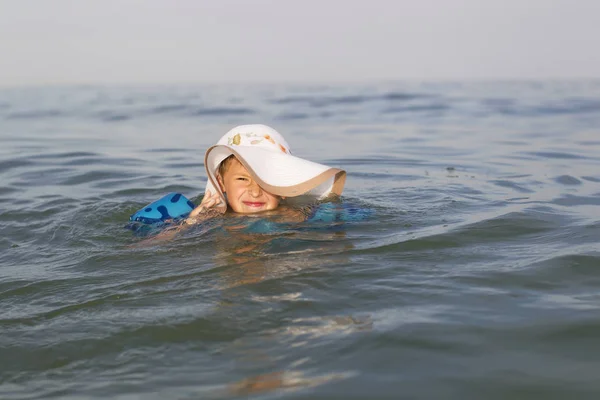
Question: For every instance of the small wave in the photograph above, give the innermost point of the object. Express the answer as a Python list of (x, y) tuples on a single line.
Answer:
[(559, 270), (322, 101), (375, 160), (95, 176), (572, 200), (36, 114), (41, 177), (505, 228), (574, 106), (511, 185), (567, 107), (70, 154), (169, 108), (223, 111), (382, 176), (165, 150), (7, 190), (328, 100), (416, 108), (401, 96), (115, 117), (590, 178), (564, 301), (555, 154), (125, 162), (181, 165), (30, 215), (14, 163), (567, 180), (292, 116), (499, 103), (391, 319)]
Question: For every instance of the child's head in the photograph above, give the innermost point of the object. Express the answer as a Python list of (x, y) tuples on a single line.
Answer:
[(244, 194), (254, 167)]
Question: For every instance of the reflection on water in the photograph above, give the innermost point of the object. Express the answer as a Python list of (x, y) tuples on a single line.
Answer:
[(243, 258), (315, 327), (283, 380), (248, 258)]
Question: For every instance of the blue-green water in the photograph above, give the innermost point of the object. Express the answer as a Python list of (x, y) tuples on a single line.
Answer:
[(477, 276)]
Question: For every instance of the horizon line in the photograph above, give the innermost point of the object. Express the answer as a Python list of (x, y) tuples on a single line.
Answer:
[(291, 82)]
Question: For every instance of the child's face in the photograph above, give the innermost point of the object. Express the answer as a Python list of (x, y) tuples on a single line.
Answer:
[(243, 193)]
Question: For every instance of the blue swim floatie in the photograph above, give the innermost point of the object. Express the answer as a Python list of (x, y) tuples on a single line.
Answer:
[(170, 206)]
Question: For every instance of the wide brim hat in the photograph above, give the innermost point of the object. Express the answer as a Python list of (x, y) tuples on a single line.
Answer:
[(267, 156)]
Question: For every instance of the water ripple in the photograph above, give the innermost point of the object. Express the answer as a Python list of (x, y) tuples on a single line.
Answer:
[(222, 111), (36, 114), (477, 246)]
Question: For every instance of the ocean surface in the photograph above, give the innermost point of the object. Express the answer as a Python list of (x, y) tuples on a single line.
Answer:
[(476, 275)]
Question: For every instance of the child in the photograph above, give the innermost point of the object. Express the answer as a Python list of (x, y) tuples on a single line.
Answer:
[(251, 170)]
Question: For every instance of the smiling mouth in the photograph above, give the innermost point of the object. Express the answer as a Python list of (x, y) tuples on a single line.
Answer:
[(253, 204)]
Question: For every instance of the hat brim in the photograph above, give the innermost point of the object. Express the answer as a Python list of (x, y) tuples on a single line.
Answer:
[(280, 174)]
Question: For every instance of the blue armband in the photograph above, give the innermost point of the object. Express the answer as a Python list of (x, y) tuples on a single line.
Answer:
[(170, 206)]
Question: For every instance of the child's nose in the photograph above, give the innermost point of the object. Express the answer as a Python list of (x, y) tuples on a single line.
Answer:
[(255, 190)]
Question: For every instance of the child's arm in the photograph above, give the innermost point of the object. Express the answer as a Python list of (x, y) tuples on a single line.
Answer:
[(201, 213), (205, 210)]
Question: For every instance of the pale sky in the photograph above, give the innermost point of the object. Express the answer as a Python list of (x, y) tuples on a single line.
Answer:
[(188, 41)]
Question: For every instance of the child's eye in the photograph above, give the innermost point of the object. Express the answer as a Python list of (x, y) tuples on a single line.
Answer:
[(241, 178)]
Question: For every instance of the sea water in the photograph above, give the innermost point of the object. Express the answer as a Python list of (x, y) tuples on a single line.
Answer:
[(475, 276)]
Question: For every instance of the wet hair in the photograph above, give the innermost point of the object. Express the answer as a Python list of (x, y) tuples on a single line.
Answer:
[(224, 166)]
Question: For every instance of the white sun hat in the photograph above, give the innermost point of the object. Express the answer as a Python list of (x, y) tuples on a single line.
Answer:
[(267, 157)]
